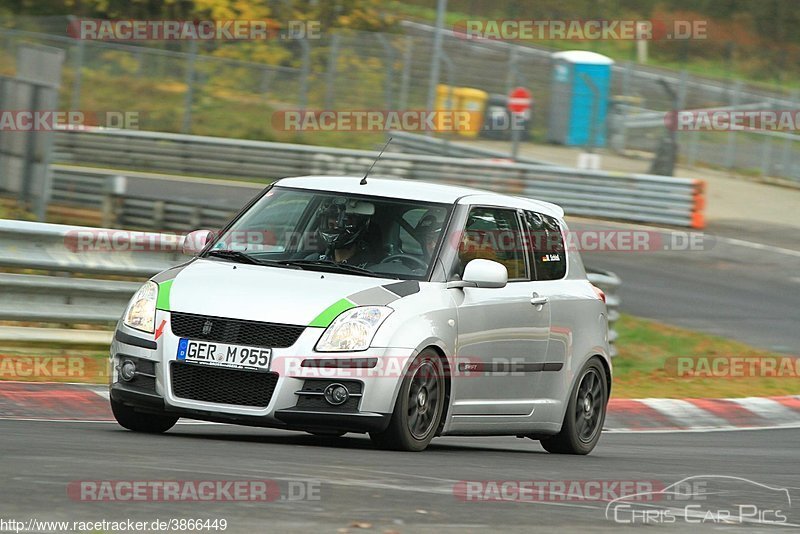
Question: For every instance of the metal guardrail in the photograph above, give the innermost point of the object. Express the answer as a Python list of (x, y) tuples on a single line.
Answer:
[(632, 197), (433, 146), (609, 283), (107, 191), (634, 117), (61, 297)]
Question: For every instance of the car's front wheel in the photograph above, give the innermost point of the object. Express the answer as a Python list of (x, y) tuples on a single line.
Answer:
[(419, 406), (141, 422), (586, 412)]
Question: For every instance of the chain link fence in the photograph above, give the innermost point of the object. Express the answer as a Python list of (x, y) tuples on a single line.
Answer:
[(198, 88)]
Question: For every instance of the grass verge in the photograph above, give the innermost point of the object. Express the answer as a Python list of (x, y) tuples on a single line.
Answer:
[(647, 364)]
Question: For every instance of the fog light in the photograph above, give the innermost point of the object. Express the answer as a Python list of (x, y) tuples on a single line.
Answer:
[(336, 394), (127, 370)]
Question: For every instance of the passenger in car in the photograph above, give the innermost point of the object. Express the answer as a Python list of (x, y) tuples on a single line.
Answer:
[(343, 227)]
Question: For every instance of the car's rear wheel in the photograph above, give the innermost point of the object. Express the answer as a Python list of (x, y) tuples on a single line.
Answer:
[(419, 406), (586, 413), (141, 422)]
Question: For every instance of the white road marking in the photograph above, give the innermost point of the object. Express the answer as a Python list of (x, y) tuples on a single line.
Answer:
[(769, 409), (686, 413), (786, 426)]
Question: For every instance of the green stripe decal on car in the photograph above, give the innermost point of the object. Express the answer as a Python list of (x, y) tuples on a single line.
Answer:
[(331, 312), (162, 302)]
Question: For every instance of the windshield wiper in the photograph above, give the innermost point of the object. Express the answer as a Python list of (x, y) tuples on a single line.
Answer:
[(235, 255), (244, 257), (328, 264)]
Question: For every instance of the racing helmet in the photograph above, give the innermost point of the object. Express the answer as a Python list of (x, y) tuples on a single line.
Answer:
[(342, 222)]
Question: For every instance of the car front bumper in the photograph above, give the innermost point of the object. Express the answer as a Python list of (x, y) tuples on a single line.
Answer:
[(372, 378)]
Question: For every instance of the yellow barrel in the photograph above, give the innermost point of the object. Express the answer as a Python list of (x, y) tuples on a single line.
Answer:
[(470, 110)]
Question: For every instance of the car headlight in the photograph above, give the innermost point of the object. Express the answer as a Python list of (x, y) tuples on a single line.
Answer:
[(141, 312), (353, 329)]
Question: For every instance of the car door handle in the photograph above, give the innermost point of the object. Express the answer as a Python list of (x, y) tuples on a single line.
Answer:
[(536, 300)]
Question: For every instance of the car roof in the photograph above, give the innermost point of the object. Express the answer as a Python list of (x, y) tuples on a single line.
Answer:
[(399, 188)]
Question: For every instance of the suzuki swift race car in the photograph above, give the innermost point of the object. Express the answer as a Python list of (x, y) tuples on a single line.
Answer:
[(401, 309)]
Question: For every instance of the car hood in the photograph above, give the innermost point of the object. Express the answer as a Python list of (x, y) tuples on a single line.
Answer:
[(271, 294)]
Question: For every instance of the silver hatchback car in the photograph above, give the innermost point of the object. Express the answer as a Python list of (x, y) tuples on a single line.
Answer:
[(403, 309)]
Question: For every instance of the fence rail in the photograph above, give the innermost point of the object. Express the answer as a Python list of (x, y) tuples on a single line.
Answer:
[(62, 297), (631, 197), (387, 71)]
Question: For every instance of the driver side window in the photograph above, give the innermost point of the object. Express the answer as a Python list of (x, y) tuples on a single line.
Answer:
[(493, 234)]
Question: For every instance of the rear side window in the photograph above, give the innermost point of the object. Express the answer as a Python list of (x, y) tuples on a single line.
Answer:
[(547, 242), (492, 234)]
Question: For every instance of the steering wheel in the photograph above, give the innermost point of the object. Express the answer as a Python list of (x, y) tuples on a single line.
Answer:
[(405, 257)]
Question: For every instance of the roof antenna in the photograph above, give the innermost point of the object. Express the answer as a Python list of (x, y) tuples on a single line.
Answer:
[(364, 179)]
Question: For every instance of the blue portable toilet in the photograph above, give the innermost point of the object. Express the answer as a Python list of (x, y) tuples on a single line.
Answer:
[(577, 113)]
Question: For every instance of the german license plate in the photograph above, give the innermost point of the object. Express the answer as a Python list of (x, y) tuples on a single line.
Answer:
[(222, 355)]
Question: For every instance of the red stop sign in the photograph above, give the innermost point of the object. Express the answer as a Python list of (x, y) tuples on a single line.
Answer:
[(519, 100)]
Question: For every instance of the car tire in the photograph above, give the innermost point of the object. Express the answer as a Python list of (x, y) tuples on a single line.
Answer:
[(418, 408), (585, 415), (141, 422)]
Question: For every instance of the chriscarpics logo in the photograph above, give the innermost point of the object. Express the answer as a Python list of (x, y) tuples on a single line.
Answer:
[(706, 500)]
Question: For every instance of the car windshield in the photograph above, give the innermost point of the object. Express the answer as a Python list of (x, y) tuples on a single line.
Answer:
[(336, 232)]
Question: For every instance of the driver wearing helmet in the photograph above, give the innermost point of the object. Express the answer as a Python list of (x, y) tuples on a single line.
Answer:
[(342, 227)]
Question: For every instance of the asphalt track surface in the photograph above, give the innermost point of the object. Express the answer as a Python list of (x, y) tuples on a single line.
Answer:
[(740, 285), (383, 491), (741, 288)]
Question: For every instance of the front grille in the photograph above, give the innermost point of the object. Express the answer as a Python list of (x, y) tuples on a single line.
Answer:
[(222, 386), (317, 403), (235, 331)]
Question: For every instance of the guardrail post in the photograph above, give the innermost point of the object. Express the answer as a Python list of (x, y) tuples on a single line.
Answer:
[(112, 200), (159, 207), (766, 155), (196, 218), (609, 283)]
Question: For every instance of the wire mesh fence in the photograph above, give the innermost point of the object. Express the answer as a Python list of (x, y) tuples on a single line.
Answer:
[(233, 89)]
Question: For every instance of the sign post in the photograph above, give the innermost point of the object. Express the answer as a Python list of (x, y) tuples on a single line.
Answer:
[(519, 104)]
